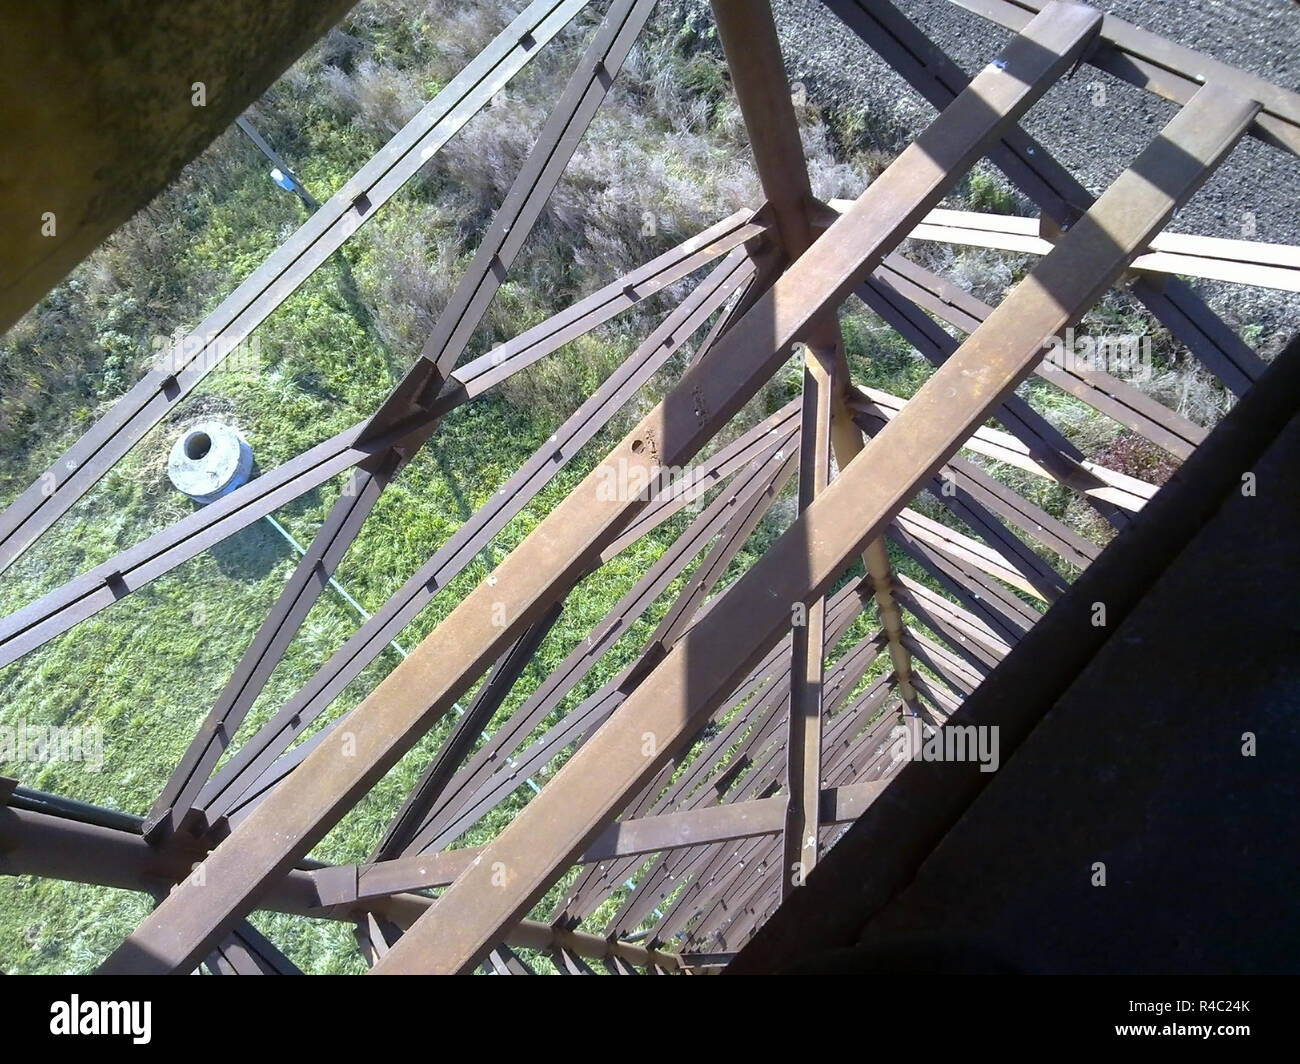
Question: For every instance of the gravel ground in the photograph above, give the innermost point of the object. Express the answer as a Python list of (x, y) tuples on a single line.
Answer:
[(1094, 142)]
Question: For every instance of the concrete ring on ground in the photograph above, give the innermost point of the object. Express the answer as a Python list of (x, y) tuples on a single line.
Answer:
[(209, 460)]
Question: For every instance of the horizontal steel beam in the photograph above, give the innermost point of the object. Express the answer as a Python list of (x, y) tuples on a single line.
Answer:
[(56, 847)]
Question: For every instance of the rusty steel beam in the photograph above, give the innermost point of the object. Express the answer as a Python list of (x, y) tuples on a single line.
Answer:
[(999, 617), (707, 474), (859, 437), (263, 655), (983, 593), (336, 886), (345, 884), (953, 666), (1108, 395), (374, 936), (703, 666), (988, 590), (617, 967), (56, 847), (847, 440), (1094, 483), (749, 40), (846, 674), (970, 486), (1167, 69), (759, 765), (732, 517), (850, 743), (567, 963), (1060, 459), (879, 857), (412, 399), (807, 652), (484, 759), (938, 696), (975, 497), (658, 882), (713, 881), (960, 560), (970, 647), (875, 557), (725, 923), (971, 553), (505, 961), (474, 378), (532, 935), (995, 615), (1243, 262), (1002, 554), (931, 655), (246, 951), (467, 731)]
